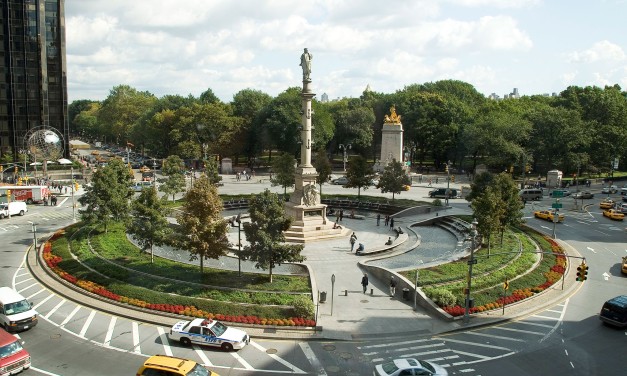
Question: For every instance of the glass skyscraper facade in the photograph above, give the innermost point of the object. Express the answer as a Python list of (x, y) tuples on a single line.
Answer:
[(33, 71)]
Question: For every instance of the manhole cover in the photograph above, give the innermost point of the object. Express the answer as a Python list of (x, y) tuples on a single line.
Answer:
[(364, 301), (346, 355), (328, 347), (333, 369), (271, 351), (55, 336)]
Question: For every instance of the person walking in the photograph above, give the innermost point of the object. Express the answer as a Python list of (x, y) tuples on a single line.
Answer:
[(353, 239), (378, 219), (387, 220), (392, 223), (341, 214), (392, 286), (364, 282)]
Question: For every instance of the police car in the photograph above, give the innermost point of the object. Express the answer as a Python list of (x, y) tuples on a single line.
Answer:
[(209, 333)]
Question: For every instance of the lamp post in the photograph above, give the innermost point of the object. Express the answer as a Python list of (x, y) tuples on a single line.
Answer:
[(34, 227), (448, 181), (345, 149), (238, 219), (471, 262), (73, 203)]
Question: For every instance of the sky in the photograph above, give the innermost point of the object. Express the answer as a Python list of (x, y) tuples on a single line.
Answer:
[(184, 47)]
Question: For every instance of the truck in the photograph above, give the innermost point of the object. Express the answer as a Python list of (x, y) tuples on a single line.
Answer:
[(31, 194), (12, 208)]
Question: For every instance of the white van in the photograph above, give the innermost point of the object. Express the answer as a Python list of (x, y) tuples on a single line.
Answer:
[(140, 185), (530, 194), (15, 312), (13, 208)]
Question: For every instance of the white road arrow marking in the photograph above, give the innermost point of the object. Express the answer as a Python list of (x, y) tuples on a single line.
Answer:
[(591, 249), (606, 276)]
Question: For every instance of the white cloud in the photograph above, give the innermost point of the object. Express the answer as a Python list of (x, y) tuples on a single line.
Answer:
[(600, 51)]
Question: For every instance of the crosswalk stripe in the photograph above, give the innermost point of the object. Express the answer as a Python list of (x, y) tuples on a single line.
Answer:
[(109, 334), (518, 330), (43, 301), (242, 361), (537, 324), (87, 323), (164, 341), (277, 358), (135, 328), (495, 336), (312, 358), (71, 315), (395, 344), (35, 294), (547, 317), (53, 310), (475, 344), (27, 287), (23, 281), (203, 357)]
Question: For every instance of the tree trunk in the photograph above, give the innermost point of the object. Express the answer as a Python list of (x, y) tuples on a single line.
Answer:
[(152, 255), (202, 264)]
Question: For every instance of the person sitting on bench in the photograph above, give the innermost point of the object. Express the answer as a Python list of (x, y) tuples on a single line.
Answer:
[(336, 226), (360, 248), (389, 242)]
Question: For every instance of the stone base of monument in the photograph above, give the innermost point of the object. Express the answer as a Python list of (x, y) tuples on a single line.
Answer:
[(310, 224)]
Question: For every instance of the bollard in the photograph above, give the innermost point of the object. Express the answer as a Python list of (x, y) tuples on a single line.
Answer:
[(345, 292), (371, 292)]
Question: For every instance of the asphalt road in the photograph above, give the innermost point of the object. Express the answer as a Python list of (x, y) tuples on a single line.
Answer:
[(567, 338)]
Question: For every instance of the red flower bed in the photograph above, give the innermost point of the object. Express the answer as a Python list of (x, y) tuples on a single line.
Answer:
[(52, 261)]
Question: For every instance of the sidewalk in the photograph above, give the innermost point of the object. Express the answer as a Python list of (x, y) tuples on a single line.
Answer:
[(347, 313)]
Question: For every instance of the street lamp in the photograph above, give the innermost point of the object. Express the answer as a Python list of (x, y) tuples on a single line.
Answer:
[(65, 161), (471, 262), (345, 149), (238, 219), (448, 181), (34, 227)]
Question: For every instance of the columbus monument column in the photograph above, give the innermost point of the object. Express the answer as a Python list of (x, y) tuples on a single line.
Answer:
[(309, 214)]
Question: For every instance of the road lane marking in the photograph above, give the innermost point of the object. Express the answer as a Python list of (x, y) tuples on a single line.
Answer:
[(203, 357), (52, 311), (242, 361), (35, 294), (135, 328), (70, 316), (164, 341), (495, 336), (24, 280), (87, 323), (312, 358), (107, 340), (27, 287), (475, 344), (277, 358), (519, 330), (43, 301)]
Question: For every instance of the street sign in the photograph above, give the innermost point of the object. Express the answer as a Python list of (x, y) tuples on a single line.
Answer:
[(556, 205), (558, 193), (472, 262), (506, 285)]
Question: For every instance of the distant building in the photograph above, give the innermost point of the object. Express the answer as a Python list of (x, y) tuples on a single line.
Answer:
[(33, 70), (324, 98)]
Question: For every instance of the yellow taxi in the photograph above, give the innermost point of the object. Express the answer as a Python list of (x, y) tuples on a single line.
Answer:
[(548, 215), (607, 204), (171, 365), (144, 169), (614, 214)]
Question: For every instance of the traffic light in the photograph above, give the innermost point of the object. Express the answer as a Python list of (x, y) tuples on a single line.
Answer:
[(453, 178), (1, 170), (527, 168), (446, 168), (9, 194), (511, 169), (75, 187), (16, 169), (582, 272)]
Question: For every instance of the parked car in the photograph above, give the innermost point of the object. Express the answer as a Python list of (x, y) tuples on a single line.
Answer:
[(584, 194), (343, 180), (209, 332), (614, 214), (409, 366), (144, 169), (171, 365), (548, 215)]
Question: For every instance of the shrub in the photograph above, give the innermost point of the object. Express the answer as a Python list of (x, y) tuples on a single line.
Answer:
[(303, 307), (441, 297)]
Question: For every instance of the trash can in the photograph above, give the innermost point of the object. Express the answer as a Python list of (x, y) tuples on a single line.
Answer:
[(323, 296), (405, 294)]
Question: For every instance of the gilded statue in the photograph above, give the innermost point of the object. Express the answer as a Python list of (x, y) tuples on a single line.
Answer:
[(392, 118)]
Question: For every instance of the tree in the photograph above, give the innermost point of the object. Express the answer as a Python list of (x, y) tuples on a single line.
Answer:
[(107, 198), (122, 110), (265, 236), (283, 170), (359, 174), (174, 182), (487, 209), (509, 199), (323, 166), (148, 224), (211, 170), (394, 178), (202, 229)]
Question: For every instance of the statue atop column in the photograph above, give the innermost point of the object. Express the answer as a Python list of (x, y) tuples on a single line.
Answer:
[(305, 63)]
